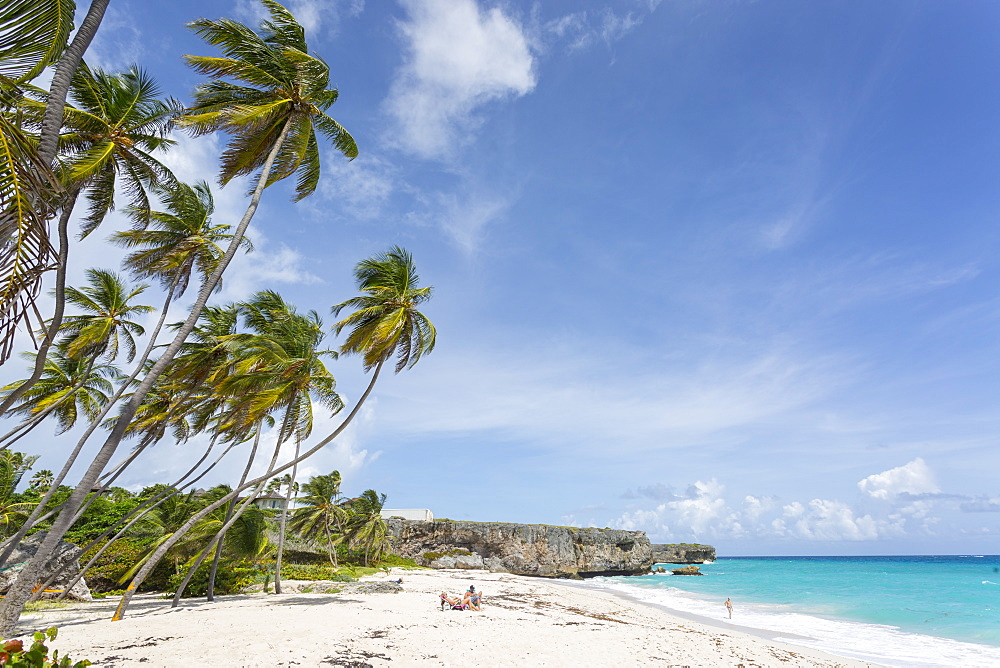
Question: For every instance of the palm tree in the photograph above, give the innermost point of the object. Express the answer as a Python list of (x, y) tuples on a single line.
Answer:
[(321, 512), (33, 34), (414, 348), (105, 326), (42, 480), (366, 528), (172, 246), (68, 387), (386, 321), (108, 139), (279, 101), (283, 371), (109, 136)]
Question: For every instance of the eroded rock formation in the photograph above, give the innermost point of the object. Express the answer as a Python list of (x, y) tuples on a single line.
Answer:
[(66, 554), (682, 553), (523, 549)]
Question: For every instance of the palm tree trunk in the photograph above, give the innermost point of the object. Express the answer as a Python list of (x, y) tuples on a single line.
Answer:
[(229, 521), (135, 514), (33, 518), (60, 296), (17, 595), (331, 551), (59, 88), (155, 558), (210, 594), (284, 521)]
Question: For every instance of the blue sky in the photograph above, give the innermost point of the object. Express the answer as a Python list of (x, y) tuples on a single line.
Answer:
[(721, 271)]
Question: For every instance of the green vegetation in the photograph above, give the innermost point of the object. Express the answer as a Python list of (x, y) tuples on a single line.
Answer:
[(14, 654), (247, 376)]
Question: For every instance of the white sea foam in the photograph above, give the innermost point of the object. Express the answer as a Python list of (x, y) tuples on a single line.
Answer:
[(885, 645)]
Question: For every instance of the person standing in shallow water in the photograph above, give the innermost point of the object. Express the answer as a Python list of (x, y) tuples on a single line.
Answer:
[(729, 607)]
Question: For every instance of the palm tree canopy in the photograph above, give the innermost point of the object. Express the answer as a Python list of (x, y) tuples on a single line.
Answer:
[(172, 245), (32, 35), (280, 366), (88, 383), (109, 135), (266, 84), (105, 326), (385, 320)]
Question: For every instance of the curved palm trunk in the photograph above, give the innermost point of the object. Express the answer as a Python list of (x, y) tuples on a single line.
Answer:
[(135, 514), (143, 509), (155, 558), (284, 522), (33, 519), (17, 595), (216, 541), (60, 307), (210, 594), (59, 88)]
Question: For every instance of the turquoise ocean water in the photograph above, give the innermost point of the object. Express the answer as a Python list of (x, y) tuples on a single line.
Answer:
[(896, 611)]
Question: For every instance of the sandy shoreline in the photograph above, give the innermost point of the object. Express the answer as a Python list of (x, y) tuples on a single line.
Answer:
[(524, 622)]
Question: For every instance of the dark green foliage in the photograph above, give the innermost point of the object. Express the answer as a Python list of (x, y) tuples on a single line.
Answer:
[(116, 560), (396, 560), (231, 579), (13, 653), (314, 572)]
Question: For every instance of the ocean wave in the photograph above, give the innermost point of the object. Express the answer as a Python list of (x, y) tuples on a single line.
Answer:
[(885, 645)]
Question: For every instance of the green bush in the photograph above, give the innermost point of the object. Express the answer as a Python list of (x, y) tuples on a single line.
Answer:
[(115, 562), (230, 579), (314, 572), (396, 560), (13, 653)]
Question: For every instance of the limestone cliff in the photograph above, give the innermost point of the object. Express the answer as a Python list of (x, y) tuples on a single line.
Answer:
[(523, 549), (682, 553)]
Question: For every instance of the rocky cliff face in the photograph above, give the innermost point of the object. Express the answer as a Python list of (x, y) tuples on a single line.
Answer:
[(523, 549), (682, 553)]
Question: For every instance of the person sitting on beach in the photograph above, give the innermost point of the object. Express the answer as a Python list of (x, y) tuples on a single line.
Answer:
[(472, 598), (454, 603)]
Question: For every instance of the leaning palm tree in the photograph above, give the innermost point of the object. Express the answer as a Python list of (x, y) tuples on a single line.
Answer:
[(68, 388), (283, 372), (33, 34), (414, 348), (366, 529), (108, 141), (322, 519)]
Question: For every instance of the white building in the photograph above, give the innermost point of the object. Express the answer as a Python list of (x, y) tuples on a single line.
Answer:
[(420, 514)]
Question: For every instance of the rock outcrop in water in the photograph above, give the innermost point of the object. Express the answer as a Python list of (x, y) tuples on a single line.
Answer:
[(523, 549), (682, 553)]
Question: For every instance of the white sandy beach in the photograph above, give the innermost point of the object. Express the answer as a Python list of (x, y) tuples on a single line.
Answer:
[(524, 622)]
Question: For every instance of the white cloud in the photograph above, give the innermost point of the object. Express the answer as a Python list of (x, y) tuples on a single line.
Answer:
[(459, 58), (912, 478), (823, 519)]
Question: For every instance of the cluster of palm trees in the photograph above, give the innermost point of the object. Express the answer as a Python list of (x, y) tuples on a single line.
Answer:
[(237, 373), (327, 520)]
